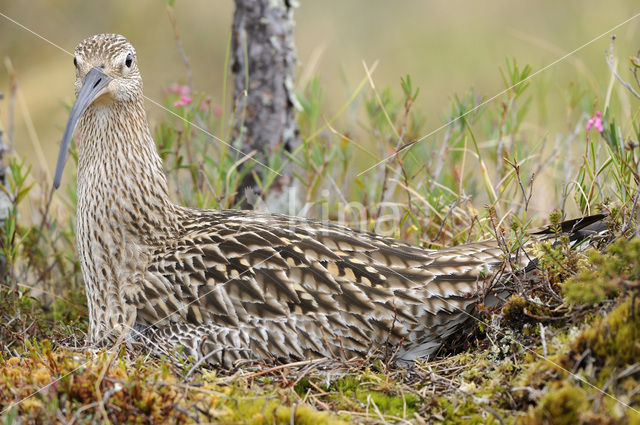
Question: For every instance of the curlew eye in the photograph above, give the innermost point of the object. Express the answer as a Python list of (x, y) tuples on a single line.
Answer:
[(75, 61), (129, 60)]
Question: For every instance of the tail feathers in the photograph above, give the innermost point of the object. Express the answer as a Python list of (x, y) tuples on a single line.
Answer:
[(578, 228)]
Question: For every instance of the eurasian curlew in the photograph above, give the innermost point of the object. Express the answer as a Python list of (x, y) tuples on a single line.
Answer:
[(230, 285)]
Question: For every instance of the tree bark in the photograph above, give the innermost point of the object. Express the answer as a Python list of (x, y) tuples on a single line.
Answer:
[(263, 67)]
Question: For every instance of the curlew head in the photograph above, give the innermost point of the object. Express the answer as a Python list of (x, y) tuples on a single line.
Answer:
[(106, 73)]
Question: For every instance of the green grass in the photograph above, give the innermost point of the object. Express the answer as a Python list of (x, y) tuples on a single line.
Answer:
[(480, 177)]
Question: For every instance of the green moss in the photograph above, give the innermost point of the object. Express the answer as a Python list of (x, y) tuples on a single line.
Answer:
[(391, 404), (539, 372), (620, 263), (563, 406), (271, 411), (556, 259), (136, 391), (461, 411), (70, 311), (610, 343), (302, 386), (588, 287), (357, 391), (346, 384), (633, 417), (614, 339)]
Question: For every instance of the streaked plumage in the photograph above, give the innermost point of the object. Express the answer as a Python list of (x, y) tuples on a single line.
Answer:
[(234, 284)]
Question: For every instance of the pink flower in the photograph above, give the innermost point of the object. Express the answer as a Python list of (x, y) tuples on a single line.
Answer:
[(217, 111), (176, 88), (596, 122), (185, 91), (184, 101)]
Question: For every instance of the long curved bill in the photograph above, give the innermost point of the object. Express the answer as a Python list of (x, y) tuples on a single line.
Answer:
[(94, 85)]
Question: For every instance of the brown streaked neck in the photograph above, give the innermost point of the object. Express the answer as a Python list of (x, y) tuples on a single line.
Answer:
[(120, 175)]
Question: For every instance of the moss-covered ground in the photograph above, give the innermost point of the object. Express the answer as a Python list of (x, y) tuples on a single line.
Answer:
[(578, 362)]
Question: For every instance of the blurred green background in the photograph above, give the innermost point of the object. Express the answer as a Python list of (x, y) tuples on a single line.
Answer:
[(446, 47)]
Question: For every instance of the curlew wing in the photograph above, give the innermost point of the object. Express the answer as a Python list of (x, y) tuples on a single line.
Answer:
[(245, 285), (289, 288)]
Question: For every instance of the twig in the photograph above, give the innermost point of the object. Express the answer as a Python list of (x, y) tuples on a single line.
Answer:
[(184, 412), (44, 217), (609, 59), (274, 369), (494, 413), (292, 417), (516, 168), (176, 37), (105, 368), (543, 338), (627, 223), (13, 83), (462, 199)]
